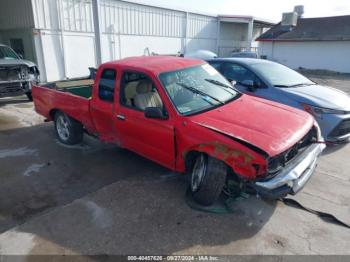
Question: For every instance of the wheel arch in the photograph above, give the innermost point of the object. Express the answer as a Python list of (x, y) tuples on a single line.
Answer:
[(238, 161), (189, 159), (53, 112)]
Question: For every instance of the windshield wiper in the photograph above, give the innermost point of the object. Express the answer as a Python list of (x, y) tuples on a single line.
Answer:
[(302, 84), (221, 85), (296, 85), (196, 91), (218, 83), (281, 86)]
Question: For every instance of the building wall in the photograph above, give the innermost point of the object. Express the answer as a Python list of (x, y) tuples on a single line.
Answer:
[(257, 31), (59, 34), (66, 33), (233, 37), (17, 22), (129, 29), (327, 55), (15, 14), (64, 39), (26, 35), (202, 32)]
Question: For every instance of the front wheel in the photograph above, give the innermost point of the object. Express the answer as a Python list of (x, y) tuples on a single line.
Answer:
[(208, 178), (68, 130)]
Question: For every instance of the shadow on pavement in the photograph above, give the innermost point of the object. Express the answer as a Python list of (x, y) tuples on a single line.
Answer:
[(98, 199), (13, 100), (335, 147)]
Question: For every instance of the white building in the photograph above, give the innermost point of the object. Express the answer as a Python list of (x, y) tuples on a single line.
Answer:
[(65, 37), (310, 43)]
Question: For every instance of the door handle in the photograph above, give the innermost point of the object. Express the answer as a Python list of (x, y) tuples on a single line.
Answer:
[(121, 117)]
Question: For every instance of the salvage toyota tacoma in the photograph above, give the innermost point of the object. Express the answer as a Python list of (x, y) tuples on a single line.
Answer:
[(184, 115), (16, 74)]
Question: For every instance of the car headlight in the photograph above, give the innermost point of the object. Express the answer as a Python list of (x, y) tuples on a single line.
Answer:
[(274, 164), (318, 111)]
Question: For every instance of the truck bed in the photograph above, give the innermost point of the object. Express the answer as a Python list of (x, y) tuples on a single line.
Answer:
[(70, 96), (81, 87)]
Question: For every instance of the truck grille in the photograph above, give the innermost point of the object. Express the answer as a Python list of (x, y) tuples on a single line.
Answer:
[(276, 163), (11, 89), (342, 129), (13, 73)]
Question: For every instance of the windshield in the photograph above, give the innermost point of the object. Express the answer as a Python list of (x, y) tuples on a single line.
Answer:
[(7, 53), (197, 89), (280, 76)]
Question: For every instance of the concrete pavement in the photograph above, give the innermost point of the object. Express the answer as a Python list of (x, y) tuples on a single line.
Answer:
[(98, 199)]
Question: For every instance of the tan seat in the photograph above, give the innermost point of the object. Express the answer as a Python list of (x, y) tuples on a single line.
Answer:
[(145, 96), (130, 92)]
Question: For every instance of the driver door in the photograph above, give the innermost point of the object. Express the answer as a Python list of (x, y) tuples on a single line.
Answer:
[(151, 138)]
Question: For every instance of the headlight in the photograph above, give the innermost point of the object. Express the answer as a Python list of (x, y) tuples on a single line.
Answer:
[(275, 164), (34, 74), (318, 111), (24, 72)]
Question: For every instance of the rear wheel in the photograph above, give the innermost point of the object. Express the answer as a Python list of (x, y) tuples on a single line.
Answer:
[(68, 130), (208, 178)]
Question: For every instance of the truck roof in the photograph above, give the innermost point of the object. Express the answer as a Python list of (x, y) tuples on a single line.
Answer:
[(156, 64)]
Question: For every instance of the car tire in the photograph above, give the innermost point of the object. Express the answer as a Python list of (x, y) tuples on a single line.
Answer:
[(207, 180), (29, 95), (68, 130)]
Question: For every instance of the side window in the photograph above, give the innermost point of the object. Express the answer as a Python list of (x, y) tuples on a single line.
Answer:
[(106, 85), (138, 92), (239, 73), (216, 65)]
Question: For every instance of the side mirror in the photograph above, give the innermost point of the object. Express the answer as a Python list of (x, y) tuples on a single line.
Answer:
[(249, 84), (155, 112)]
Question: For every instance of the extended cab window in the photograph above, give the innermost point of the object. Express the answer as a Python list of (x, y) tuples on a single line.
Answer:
[(138, 92), (106, 85)]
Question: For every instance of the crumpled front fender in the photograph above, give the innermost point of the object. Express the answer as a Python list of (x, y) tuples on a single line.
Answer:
[(242, 162)]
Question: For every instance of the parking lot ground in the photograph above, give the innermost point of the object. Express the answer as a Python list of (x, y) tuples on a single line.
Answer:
[(98, 199), (340, 81)]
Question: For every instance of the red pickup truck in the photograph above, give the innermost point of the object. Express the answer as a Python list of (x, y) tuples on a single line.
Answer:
[(182, 114)]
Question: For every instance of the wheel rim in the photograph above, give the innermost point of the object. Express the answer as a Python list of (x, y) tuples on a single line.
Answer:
[(198, 172), (62, 128)]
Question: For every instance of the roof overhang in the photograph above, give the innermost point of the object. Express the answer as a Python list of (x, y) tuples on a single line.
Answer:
[(235, 18), (246, 19), (264, 23), (302, 40)]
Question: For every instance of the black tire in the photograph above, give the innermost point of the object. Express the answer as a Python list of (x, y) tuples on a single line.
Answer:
[(212, 182), (29, 95), (72, 128)]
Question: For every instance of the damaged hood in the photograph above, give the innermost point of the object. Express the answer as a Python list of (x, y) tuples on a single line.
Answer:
[(15, 62), (320, 96), (270, 126)]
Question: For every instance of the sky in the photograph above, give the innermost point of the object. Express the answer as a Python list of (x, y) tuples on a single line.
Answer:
[(268, 9)]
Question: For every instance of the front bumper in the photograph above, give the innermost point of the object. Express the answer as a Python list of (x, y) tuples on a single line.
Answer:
[(332, 127), (15, 87), (341, 132), (293, 177)]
